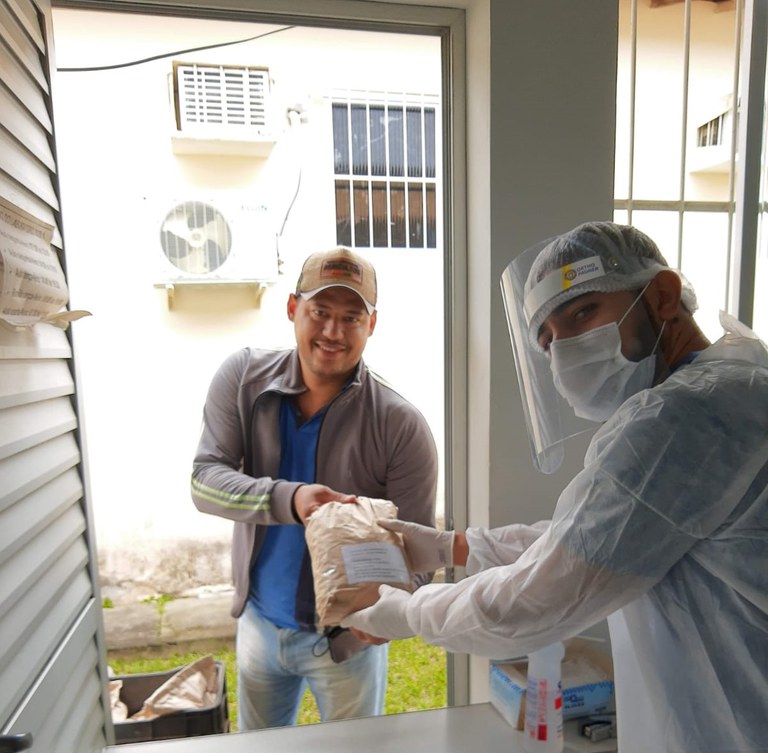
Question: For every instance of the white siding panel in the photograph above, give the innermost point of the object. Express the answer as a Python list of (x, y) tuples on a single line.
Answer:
[(52, 655), (27, 425), (74, 726), (37, 601), (24, 168), (40, 341), (54, 688), (12, 191), (26, 14), (56, 718), (20, 523), (17, 79), (21, 45), (25, 128), (24, 382), (18, 678), (26, 471), (22, 569)]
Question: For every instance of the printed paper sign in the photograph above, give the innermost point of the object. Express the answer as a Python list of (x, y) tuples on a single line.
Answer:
[(377, 562), (33, 285)]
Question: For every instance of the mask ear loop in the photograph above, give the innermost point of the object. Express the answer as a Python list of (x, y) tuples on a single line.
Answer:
[(631, 306)]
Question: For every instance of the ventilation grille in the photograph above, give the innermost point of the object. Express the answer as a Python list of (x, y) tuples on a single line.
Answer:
[(221, 95)]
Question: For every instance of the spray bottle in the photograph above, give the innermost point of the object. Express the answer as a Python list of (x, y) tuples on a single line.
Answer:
[(544, 701)]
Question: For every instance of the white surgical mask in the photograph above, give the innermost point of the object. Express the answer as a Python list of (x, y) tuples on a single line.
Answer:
[(592, 373)]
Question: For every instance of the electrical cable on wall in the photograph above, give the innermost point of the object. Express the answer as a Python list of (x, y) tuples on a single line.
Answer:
[(295, 119), (171, 54)]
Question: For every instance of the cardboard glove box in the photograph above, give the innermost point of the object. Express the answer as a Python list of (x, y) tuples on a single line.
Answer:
[(352, 556), (587, 684)]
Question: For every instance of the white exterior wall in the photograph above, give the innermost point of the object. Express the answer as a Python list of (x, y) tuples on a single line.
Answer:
[(144, 368)]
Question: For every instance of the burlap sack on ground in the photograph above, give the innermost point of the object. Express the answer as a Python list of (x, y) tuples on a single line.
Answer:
[(352, 556)]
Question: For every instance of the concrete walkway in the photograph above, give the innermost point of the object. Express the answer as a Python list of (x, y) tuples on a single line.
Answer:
[(186, 619)]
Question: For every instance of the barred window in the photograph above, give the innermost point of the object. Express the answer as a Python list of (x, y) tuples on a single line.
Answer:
[(711, 133), (385, 158)]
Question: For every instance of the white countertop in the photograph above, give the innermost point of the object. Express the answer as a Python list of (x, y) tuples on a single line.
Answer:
[(478, 728)]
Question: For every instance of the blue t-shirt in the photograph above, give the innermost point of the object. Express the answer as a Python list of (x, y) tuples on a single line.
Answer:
[(275, 574)]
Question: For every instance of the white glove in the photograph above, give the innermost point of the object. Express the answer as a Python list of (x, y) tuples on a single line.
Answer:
[(386, 618), (427, 548)]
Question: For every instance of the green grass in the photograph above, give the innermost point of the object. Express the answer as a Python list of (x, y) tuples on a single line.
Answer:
[(416, 678)]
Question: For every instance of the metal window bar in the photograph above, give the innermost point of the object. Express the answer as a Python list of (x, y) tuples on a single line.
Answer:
[(734, 145), (387, 191), (751, 142), (684, 124), (407, 174)]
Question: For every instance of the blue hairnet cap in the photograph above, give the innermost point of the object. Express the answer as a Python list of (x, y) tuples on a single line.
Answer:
[(593, 257)]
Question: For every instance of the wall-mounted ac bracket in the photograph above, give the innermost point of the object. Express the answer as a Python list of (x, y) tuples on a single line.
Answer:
[(257, 288)]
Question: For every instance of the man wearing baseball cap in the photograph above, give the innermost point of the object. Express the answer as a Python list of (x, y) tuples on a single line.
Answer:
[(283, 433)]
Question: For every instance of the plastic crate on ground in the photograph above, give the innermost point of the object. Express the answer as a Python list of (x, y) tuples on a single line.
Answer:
[(137, 688)]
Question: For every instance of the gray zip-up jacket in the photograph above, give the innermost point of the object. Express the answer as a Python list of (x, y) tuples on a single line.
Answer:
[(372, 443)]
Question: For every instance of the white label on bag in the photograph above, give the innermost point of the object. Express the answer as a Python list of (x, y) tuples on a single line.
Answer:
[(374, 563)]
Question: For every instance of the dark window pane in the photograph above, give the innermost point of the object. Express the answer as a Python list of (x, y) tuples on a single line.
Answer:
[(413, 130), (396, 142), (362, 222), (431, 216), (378, 141), (415, 216), (340, 140), (343, 223), (429, 142), (397, 214), (359, 140), (380, 217)]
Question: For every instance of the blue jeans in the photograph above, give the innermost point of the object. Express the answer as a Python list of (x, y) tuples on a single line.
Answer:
[(275, 665)]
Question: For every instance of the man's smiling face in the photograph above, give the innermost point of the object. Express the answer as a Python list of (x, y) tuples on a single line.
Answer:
[(332, 329)]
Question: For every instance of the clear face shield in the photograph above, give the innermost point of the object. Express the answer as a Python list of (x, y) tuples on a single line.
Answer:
[(550, 419)]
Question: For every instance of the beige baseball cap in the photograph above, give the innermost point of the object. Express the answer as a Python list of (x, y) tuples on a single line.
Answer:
[(339, 267)]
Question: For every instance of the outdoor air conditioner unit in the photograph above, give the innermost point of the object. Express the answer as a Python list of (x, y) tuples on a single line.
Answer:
[(222, 109), (205, 241)]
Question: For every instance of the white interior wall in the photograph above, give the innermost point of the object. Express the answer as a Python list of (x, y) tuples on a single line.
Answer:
[(552, 168)]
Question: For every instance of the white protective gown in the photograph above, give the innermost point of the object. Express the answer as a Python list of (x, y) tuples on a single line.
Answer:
[(665, 532)]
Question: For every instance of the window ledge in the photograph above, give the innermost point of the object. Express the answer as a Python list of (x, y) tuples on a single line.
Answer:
[(710, 159)]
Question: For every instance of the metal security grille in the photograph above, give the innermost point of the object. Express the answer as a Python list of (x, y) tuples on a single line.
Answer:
[(385, 157), (685, 93), (220, 95)]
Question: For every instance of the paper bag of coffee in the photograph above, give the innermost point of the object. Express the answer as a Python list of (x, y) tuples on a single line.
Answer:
[(352, 556)]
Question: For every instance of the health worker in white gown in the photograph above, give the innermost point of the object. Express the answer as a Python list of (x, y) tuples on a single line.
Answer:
[(665, 530)]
